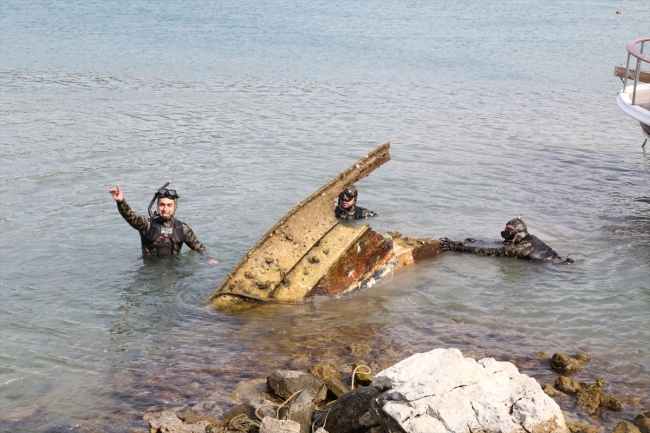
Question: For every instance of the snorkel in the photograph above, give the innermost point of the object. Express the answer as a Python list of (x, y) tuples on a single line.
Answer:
[(160, 193)]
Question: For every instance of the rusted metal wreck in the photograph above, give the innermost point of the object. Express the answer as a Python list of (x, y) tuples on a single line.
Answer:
[(309, 253)]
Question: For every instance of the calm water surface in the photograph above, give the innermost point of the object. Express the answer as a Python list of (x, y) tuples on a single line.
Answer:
[(493, 109)]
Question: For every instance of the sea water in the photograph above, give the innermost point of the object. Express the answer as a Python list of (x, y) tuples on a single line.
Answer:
[(493, 109)]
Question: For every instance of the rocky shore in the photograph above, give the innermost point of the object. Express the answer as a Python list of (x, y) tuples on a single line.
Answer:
[(437, 391)]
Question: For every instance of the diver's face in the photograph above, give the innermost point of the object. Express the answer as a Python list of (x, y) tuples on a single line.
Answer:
[(346, 204), (166, 207)]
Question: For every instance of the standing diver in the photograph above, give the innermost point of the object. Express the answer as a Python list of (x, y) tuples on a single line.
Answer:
[(347, 208), (161, 234), (518, 243)]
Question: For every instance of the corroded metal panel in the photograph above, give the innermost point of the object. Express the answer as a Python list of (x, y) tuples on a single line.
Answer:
[(265, 273), (368, 254)]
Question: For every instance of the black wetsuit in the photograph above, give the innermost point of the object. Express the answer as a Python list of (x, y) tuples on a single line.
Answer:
[(353, 213), (529, 248)]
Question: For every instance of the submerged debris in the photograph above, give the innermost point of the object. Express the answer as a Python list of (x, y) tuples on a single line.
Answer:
[(591, 397)]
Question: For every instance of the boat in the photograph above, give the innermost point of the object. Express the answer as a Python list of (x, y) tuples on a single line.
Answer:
[(634, 98), (309, 253)]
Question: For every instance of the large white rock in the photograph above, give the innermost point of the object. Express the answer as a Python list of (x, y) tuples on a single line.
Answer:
[(443, 392)]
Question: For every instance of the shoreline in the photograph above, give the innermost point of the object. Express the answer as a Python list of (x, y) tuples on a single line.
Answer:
[(576, 416), (198, 382)]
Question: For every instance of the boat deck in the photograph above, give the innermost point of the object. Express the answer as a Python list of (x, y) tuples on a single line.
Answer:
[(643, 98)]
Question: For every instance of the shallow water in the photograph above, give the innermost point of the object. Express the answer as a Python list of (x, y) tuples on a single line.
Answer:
[(493, 109)]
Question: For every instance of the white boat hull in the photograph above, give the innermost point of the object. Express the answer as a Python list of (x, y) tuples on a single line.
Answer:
[(637, 112)]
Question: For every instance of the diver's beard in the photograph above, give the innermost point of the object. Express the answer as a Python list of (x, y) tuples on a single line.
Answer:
[(166, 218)]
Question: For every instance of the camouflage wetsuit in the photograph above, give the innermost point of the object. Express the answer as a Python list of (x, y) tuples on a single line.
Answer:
[(354, 212), (518, 244), (529, 248), (165, 243)]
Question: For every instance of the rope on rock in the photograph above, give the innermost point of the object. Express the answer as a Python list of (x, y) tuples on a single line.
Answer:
[(279, 406), (313, 425), (240, 423), (354, 372)]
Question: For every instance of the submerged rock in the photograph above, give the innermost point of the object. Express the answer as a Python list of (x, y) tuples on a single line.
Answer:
[(626, 427), (325, 372), (359, 349), (642, 421), (552, 392), (581, 427), (567, 385), (591, 397), (441, 391), (565, 364)]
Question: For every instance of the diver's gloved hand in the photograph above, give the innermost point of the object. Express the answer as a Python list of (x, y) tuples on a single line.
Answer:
[(446, 244)]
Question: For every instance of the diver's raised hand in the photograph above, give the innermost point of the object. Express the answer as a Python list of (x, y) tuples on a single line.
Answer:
[(116, 193)]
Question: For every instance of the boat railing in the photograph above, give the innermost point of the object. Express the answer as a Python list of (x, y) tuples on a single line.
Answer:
[(640, 58)]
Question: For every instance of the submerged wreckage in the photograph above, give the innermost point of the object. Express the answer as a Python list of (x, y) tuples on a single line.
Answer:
[(309, 253)]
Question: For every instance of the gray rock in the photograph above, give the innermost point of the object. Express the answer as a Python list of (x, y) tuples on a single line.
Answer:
[(344, 415), (272, 425), (249, 407), (442, 392), (302, 409), (285, 383), (337, 387), (168, 422)]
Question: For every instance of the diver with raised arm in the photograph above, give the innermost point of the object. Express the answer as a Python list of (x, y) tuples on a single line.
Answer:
[(161, 234), (518, 243), (347, 209)]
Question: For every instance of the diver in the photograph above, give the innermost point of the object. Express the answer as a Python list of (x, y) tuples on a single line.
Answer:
[(347, 208), (517, 243), (161, 234)]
